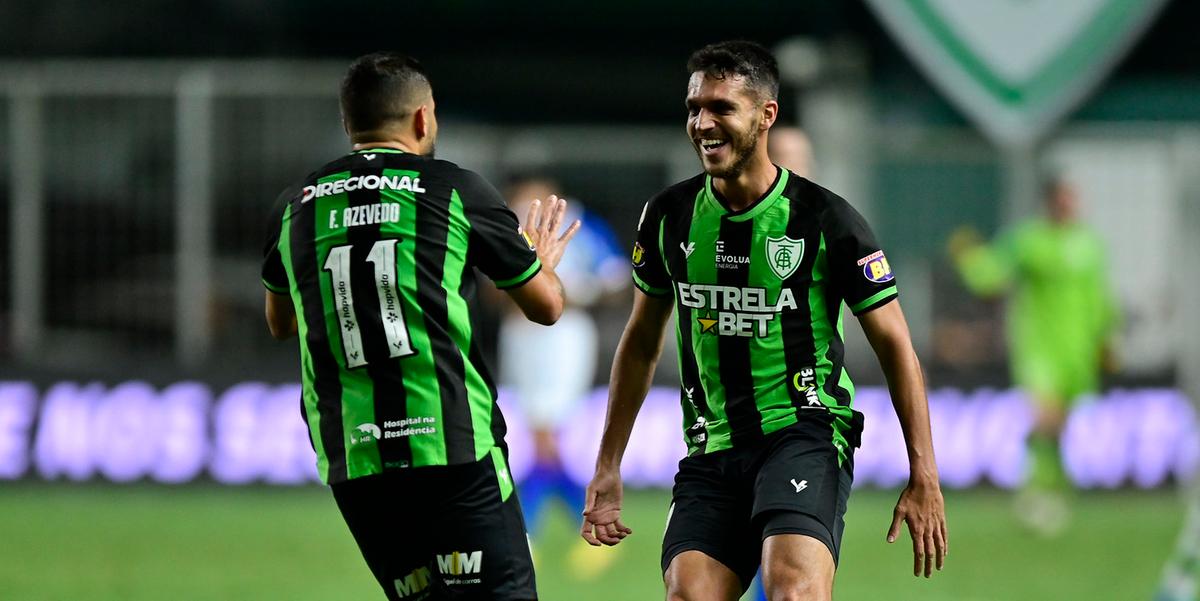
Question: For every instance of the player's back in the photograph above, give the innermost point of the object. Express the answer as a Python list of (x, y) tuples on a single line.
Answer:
[(377, 249)]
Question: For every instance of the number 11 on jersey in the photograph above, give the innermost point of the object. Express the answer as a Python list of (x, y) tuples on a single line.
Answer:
[(383, 257)]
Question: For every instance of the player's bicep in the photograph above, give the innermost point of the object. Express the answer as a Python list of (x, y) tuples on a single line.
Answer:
[(274, 276), (540, 298), (281, 315), (884, 325), (648, 322)]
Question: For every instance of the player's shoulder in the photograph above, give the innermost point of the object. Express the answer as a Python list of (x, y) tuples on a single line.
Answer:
[(811, 195), (828, 207), (677, 196), (439, 167)]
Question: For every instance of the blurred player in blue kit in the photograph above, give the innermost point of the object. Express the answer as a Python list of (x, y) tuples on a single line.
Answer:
[(550, 390)]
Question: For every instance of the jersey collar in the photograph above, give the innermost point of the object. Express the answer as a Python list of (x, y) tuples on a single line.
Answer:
[(385, 150), (755, 209)]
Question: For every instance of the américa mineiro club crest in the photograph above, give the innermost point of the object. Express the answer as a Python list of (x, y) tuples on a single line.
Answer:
[(784, 255)]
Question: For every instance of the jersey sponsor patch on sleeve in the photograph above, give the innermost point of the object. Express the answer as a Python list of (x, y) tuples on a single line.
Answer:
[(639, 255), (528, 240), (876, 268)]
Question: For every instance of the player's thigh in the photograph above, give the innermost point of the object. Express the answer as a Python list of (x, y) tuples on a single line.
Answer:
[(694, 576), (710, 517), (395, 548), (797, 566), (803, 487), (481, 549)]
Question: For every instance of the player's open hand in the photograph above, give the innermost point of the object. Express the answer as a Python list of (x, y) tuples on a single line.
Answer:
[(921, 506), (542, 225), (602, 512)]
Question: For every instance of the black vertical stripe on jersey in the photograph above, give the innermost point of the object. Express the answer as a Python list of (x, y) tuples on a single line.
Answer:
[(304, 417), (677, 262), (837, 349), (390, 397), (469, 290), (327, 384), (799, 347), (433, 222), (745, 420)]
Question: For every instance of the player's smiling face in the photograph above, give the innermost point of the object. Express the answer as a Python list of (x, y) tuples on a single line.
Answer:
[(723, 122)]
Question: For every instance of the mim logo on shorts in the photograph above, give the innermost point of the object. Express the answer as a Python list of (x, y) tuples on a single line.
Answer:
[(459, 563), (413, 583)]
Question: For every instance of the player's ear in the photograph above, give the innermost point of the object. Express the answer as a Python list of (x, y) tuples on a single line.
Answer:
[(422, 122), (770, 112)]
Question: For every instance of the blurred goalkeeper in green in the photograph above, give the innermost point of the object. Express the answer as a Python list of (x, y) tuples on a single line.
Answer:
[(1061, 319)]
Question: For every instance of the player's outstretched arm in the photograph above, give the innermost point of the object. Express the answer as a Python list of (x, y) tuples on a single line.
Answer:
[(920, 505), (632, 372), (542, 298), (281, 315)]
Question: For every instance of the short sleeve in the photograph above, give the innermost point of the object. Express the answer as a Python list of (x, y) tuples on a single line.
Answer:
[(649, 274), (274, 277), (498, 246), (859, 270)]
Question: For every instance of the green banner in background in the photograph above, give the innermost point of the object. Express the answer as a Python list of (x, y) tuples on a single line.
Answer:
[(1016, 67)]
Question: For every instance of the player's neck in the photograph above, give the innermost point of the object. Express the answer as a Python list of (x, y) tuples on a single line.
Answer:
[(393, 144), (750, 185), (385, 137)]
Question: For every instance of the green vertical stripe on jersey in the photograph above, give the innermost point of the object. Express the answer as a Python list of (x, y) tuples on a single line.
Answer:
[(822, 329), (358, 390), (479, 394), (309, 396), (422, 392), (768, 353), (825, 328), (503, 476), (704, 232)]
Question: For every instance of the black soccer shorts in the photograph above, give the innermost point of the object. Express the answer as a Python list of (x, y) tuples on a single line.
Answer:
[(442, 533), (725, 503)]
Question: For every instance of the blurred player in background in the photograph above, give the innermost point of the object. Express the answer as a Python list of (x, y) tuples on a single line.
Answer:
[(790, 148), (757, 264), (549, 390), (370, 260), (1181, 578), (1062, 318)]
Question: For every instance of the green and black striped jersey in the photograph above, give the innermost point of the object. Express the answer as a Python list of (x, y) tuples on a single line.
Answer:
[(758, 296), (376, 250)]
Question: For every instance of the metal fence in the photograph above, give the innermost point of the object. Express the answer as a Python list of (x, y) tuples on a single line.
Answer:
[(135, 194)]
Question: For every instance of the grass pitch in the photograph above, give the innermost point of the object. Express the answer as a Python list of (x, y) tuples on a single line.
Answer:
[(144, 543)]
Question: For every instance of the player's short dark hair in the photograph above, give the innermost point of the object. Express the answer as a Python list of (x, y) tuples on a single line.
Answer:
[(381, 87), (747, 59)]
